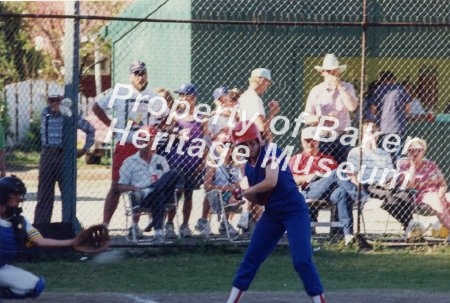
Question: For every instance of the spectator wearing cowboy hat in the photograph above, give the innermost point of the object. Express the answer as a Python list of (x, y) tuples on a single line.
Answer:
[(332, 98)]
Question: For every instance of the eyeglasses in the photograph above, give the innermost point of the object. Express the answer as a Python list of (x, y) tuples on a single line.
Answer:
[(54, 100)]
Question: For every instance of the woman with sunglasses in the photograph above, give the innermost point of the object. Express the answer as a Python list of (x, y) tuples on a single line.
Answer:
[(427, 179)]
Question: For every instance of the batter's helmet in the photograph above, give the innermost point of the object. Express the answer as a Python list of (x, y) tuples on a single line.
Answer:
[(251, 133), (10, 185)]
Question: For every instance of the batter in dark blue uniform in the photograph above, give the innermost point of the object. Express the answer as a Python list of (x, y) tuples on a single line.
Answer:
[(285, 210)]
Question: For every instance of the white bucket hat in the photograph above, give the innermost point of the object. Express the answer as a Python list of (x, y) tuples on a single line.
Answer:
[(330, 62)]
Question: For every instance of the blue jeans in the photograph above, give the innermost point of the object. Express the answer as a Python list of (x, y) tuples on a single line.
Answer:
[(339, 192), (336, 150)]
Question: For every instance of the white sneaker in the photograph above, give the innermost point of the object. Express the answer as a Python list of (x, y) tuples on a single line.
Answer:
[(158, 238), (185, 231), (203, 227), (170, 231), (222, 230), (243, 220)]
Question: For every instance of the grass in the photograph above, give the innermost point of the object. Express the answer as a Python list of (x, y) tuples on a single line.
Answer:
[(21, 159), (212, 270)]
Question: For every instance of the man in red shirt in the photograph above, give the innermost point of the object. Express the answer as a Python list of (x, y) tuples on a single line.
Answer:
[(310, 163)]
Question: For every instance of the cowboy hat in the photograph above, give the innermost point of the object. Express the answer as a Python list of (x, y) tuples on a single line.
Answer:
[(330, 62)]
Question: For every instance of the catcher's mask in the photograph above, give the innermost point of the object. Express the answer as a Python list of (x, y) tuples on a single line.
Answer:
[(11, 185), (251, 133)]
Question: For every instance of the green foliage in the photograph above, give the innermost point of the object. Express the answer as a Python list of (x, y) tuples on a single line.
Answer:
[(32, 141), (212, 269), (18, 59)]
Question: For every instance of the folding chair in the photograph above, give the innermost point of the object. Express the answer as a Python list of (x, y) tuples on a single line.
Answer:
[(324, 205), (220, 208), (129, 214)]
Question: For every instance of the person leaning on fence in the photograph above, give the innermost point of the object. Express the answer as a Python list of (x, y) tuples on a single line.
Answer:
[(216, 183), (285, 211), (190, 167), (52, 157), (151, 182), (427, 179), (389, 105), (310, 164), (2, 151), (123, 110), (333, 98), (16, 235)]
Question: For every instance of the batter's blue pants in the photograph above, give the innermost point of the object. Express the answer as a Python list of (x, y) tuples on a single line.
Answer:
[(267, 233)]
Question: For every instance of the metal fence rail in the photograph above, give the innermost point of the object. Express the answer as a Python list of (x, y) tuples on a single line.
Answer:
[(219, 42)]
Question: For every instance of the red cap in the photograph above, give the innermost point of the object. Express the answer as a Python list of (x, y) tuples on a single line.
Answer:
[(251, 133)]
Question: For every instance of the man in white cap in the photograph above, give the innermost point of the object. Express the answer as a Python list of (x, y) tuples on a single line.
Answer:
[(124, 111), (335, 99), (250, 102)]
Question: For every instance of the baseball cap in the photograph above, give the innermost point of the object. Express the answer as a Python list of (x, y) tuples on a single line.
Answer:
[(220, 92), (187, 89), (137, 66), (308, 132), (261, 72)]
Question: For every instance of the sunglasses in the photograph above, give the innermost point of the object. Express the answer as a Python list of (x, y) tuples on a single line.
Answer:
[(54, 100)]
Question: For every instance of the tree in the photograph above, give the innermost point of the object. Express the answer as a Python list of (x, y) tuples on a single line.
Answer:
[(18, 58)]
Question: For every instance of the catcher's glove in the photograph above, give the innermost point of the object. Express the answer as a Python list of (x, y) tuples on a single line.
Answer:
[(95, 239)]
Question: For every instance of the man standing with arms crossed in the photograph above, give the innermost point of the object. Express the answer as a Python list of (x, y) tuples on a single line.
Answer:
[(124, 112)]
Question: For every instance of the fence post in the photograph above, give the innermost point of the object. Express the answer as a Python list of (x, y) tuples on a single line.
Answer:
[(72, 80)]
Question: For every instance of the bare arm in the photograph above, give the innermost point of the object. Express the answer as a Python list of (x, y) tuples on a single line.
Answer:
[(125, 187), (98, 111), (269, 182)]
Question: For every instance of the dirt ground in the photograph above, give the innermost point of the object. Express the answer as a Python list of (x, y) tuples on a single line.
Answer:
[(360, 296)]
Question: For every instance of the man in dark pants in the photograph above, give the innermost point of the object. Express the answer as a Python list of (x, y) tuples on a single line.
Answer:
[(52, 156)]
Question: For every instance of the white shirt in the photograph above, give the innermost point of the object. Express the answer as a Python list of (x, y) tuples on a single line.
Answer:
[(123, 111), (250, 103), (373, 164), (137, 172)]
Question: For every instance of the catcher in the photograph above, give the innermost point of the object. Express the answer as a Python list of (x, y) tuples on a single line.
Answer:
[(16, 234), (285, 210)]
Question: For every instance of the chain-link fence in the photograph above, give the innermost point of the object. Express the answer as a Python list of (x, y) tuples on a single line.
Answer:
[(395, 80)]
